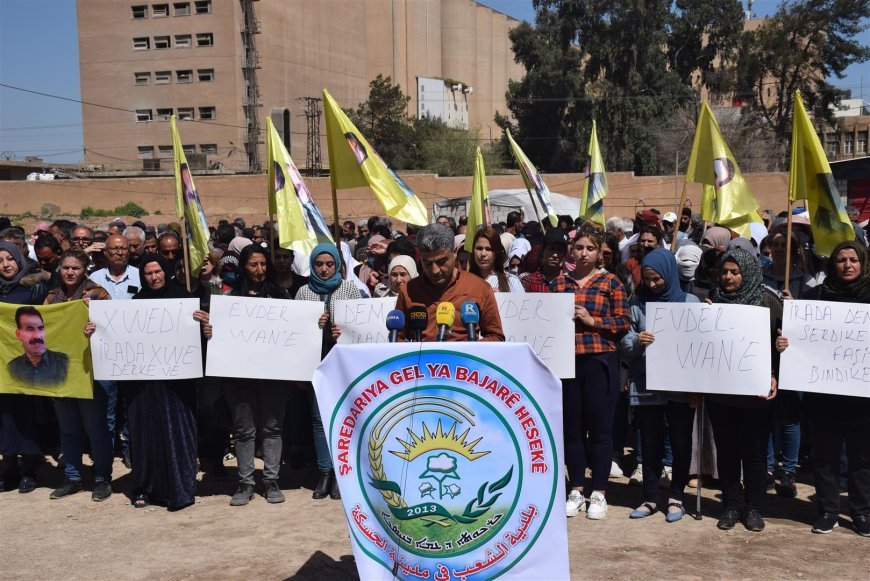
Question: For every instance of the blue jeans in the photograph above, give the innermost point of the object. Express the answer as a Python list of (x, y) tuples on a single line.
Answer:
[(667, 456), (785, 438), (321, 446), (77, 417), (111, 388)]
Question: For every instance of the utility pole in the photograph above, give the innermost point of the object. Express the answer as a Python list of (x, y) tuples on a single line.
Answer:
[(313, 163), (251, 103)]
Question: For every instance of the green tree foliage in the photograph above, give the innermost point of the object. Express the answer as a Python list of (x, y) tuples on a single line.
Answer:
[(384, 121)]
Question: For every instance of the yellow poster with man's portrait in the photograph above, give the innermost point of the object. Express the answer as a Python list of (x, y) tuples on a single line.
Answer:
[(43, 350)]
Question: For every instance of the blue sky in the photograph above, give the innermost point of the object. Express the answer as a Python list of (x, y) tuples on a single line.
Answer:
[(39, 51)]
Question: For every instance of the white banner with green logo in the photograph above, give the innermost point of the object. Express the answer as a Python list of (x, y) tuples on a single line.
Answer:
[(449, 459)]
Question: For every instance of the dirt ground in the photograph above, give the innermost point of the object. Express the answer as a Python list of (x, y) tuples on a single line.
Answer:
[(75, 538)]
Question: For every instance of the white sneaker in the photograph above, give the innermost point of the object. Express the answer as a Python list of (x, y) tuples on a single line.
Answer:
[(575, 504), (636, 478), (665, 480), (597, 506), (615, 470)]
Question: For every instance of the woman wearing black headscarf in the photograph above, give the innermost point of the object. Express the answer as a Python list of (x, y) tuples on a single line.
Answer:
[(162, 413), (836, 419), (742, 424), (19, 431)]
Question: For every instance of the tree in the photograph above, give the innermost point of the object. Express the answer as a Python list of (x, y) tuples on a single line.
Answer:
[(384, 121)]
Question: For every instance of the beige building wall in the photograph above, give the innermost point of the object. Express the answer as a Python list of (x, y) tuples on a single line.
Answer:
[(304, 46)]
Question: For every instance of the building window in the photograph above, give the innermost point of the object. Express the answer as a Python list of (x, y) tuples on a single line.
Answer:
[(185, 113), (161, 42), (205, 75), (142, 78), (205, 39), (208, 148), (162, 77), (143, 115), (188, 149), (832, 144), (203, 6), (164, 114), (146, 151), (159, 10), (207, 113), (183, 76), (181, 9), (183, 41), (847, 146), (862, 142), (139, 12), (141, 43), (165, 151)]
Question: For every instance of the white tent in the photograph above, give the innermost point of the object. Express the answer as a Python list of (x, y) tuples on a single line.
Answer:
[(503, 201)]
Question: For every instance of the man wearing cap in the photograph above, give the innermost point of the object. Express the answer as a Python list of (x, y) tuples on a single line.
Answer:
[(550, 261), (441, 281), (669, 220)]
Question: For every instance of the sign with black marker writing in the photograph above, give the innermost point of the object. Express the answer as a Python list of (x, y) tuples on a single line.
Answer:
[(546, 322), (719, 348), (828, 348), (363, 320), (147, 339), (264, 338)]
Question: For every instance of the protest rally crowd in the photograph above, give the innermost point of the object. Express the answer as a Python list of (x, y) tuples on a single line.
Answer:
[(168, 431)]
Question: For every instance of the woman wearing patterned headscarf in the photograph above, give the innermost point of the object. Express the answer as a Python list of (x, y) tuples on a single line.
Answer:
[(839, 419), (660, 283), (742, 424)]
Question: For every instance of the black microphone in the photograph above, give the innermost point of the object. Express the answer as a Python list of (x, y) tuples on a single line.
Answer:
[(418, 320), (395, 323), (470, 315)]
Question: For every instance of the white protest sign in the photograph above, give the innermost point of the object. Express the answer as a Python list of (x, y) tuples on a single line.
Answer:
[(828, 348), (264, 338), (719, 348), (546, 322), (363, 320), (147, 339)]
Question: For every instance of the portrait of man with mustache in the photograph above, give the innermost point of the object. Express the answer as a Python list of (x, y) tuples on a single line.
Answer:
[(38, 366)]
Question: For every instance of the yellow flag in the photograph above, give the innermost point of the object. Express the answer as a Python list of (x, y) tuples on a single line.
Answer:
[(727, 199), (594, 184), (353, 163), (533, 180), (187, 204), (810, 179), (478, 215), (300, 224)]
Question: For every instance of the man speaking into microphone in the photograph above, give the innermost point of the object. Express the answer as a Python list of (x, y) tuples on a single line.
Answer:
[(442, 282)]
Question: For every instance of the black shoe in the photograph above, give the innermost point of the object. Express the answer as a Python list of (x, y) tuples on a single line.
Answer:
[(102, 491), (27, 484), (323, 485), (753, 521), (861, 523), (128, 464), (69, 487), (771, 481), (334, 492), (729, 519), (826, 523), (272, 494), (244, 494), (787, 487)]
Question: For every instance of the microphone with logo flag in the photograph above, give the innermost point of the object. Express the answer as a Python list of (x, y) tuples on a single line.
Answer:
[(445, 315), (395, 323), (418, 320), (470, 316)]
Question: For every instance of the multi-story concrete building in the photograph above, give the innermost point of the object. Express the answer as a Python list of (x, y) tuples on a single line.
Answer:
[(224, 65)]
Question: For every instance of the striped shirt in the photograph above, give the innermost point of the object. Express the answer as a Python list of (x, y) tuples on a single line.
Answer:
[(605, 298)]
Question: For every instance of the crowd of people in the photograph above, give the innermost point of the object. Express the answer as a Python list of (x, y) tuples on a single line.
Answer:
[(168, 431)]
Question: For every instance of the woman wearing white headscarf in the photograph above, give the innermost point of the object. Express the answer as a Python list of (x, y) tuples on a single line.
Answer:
[(401, 270)]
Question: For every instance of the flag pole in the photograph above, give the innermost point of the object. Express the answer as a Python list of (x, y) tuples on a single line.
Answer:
[(785, 284), (679, 213), (335, 225), (535, 208), (184, 245)]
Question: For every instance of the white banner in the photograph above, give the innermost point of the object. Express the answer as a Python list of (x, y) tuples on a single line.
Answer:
[(147, 339), (363, 320), (449, 466), (264, 338), (828, 348), (546, 322), (703, 348)]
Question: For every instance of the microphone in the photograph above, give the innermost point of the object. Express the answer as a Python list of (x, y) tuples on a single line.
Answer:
[(470, 316), (445, 315), (418, 320), (395, 322)]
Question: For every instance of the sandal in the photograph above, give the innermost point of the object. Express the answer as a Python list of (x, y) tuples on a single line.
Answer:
[(675, 516), (639, 513), (141, 501)]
